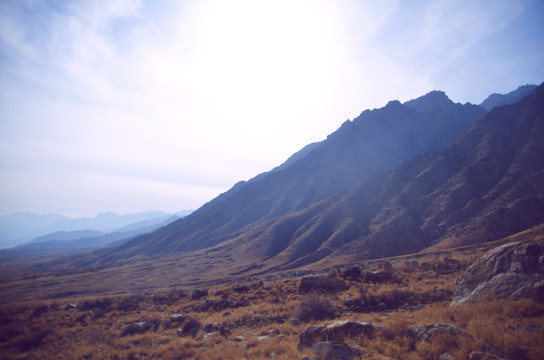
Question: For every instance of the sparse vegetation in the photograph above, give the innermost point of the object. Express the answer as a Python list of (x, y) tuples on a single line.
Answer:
[(264, 320), (315, 306)]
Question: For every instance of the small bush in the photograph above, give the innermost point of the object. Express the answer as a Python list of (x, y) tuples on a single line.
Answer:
[(315, 306), (130, 303), (104, 304)]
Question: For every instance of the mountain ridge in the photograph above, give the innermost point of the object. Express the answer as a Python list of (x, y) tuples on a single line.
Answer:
[(376, 140), (439, 198), (495, 100)]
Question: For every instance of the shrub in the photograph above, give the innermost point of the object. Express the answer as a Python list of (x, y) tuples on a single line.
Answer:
[(315, 306), (104, 304), (130, 303)]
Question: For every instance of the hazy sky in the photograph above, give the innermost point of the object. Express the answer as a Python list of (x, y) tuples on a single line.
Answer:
[(127, 105)]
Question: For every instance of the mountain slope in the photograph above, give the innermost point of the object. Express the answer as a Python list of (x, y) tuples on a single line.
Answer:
[(512, 97), (375, 141), (486, 185)]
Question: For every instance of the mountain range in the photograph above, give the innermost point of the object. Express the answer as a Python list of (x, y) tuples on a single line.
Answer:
[(428, 173), (27, 229)]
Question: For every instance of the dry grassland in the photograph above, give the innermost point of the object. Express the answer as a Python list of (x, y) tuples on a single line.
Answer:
[(263, 320)]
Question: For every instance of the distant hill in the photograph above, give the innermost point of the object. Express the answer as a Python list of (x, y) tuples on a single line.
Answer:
[(61, 236), (15, 228), (82, 239), (375, 141), (24, 227), (512, 97)]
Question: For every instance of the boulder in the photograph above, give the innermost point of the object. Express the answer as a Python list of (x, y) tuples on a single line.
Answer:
[(201, 307), (512, 271), (177, 318), (426, 331), (335, 331), (337, 351), (224, 304), (139, 327), (322, 283), (353, 273)]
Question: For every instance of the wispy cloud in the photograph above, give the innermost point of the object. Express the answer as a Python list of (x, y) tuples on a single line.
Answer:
[(203, 94)]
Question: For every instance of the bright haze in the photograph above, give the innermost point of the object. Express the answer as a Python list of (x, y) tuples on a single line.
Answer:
[(126, 105)]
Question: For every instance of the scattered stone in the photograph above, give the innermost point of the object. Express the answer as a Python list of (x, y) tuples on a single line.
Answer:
[(445, 356), (336, 331), (177, 318), (262, 337), (424, 332), (224, 304), (239, 338), (70, 307), (295, 321), (207, 337), (139, 327), (201, 307), (324, 283), (337, 351), (377, 276), (512, 271), (210, 327)]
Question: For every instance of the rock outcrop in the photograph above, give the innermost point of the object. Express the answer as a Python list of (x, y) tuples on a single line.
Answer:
[(336, 351), (336, 331), (512, 271), (427, 331), (322, 283)]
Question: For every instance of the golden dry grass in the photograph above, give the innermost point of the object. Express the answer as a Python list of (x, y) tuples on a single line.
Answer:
[(261, 324)]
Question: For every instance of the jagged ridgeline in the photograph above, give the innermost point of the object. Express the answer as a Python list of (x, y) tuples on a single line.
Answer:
[(395, 180)]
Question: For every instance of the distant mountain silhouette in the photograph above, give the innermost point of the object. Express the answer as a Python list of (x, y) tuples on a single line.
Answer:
[(512, 97), (23, 227), (377, 140), (61, 236)]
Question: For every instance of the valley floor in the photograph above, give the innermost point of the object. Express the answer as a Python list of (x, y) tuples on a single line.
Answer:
[(404, 301)]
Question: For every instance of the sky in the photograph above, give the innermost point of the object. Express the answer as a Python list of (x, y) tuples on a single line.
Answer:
[(135, 105)]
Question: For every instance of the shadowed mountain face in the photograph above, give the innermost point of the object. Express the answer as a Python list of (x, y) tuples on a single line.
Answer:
[(376, 140), (484, 186)]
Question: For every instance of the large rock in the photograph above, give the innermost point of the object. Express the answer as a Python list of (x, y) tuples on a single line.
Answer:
[(335, 331), (513, 271), (426, 331), (139, 327), (336, 351)]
